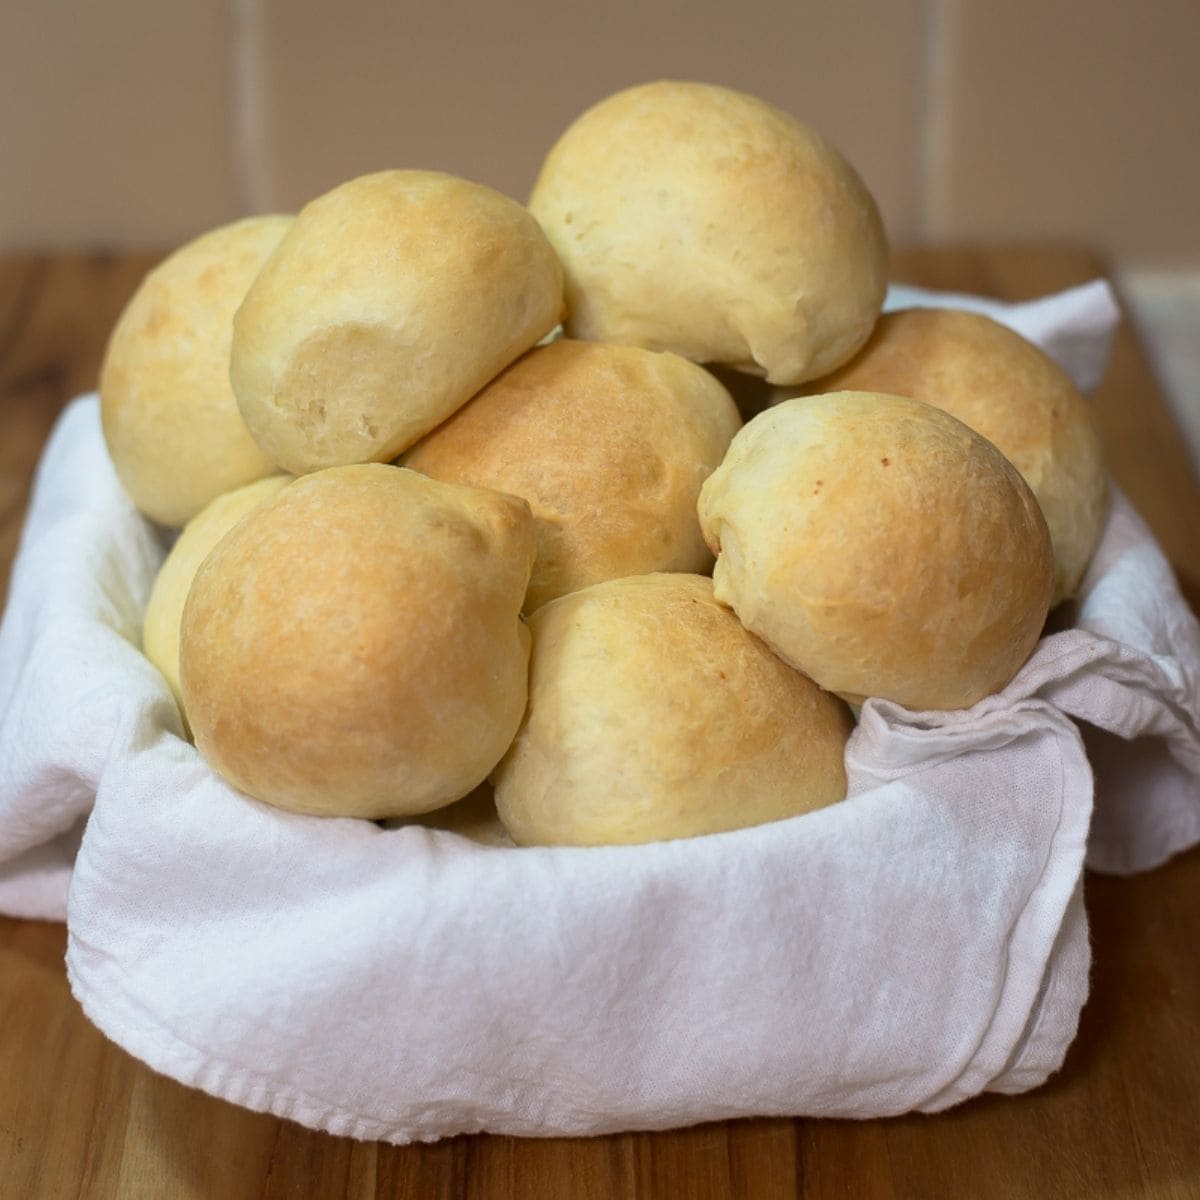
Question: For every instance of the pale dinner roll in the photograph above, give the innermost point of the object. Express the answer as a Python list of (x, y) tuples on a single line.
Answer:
[(880, 546), (1007, 389), (654, 714), (353, 647), (609, 444), (170, 418), (164, 609), (393, 299), (701, 220)]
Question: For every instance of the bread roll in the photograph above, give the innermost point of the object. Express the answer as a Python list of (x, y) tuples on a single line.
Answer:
[(164, 609), (653, 714), (609, 444), (353, 647), (1012, 393), (393, 299), (697, 219), (170, 418), (881, 547)]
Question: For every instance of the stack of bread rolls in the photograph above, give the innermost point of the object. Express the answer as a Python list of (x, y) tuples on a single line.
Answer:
[(465, 502)]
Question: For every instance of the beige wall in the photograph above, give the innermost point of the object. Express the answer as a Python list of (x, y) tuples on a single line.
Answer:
[(142, 122)]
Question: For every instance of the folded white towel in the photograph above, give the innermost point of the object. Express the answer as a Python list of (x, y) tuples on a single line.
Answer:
[(918, 944)]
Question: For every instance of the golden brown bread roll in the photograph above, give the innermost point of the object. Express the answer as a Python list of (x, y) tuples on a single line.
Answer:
[(609, 444), (164, 609), (653, 714), (701, 220), (1012, 393), (170, 418), (393, 299), (880, 546), (353, 647)]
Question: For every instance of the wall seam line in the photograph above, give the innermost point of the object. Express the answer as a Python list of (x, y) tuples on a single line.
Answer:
[(248, 118), (941, 20)]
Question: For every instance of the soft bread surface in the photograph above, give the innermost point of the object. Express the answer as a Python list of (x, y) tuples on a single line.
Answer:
[(654, 714), (701, 220), (1012, 393), (352, 647), (170, 418), (393, 299), (608, 444), (164, 609), (880, 546)]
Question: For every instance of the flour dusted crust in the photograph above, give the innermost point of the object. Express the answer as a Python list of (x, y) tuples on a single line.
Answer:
[(880, 546), (654, 714), (164, 609), (609, 444), (702, 220), (170, 418), (394, 298), (352, 647), (1012, 393)]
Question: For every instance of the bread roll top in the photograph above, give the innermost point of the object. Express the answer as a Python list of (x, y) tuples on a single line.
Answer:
[(608, 444), (170, 418), (654, 714), (353, 646), (395, 297), (880, 546), (701, 220), (1012, 393)]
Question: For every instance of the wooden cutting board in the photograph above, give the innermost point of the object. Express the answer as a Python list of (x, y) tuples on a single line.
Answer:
[(79, 1117)]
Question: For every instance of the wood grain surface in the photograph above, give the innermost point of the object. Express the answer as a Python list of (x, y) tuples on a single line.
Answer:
[(79, 1117)]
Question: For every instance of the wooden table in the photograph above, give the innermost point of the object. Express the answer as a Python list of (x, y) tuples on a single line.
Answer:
[(79, 1117)]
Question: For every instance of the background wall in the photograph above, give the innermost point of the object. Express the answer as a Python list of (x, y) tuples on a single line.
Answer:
[(143, 122)]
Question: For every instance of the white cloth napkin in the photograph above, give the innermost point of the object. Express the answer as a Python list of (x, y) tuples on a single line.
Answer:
[(918, 944)]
